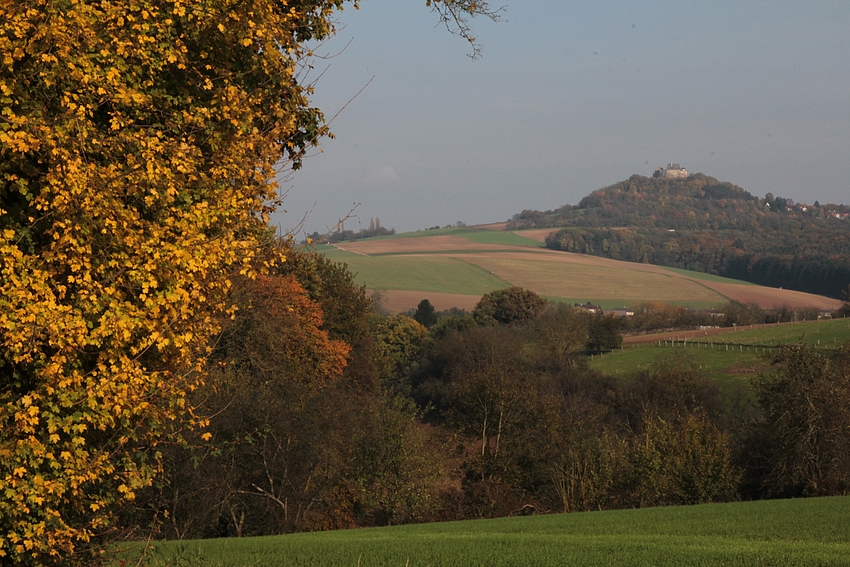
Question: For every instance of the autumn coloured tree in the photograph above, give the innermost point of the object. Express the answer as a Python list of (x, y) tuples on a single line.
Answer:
[(139, 142)]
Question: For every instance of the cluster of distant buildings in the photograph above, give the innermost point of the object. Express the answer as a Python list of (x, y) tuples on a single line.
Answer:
[(617, 312), (676, 171), (837, 215), (673, 171), (791, 206)]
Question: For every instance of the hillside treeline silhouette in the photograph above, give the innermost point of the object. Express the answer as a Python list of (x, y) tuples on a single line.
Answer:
[(702, 224)]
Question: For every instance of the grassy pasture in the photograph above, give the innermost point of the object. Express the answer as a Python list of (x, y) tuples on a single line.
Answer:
[(802, 532), (336, 254), (705, 277), (420, 273), (500, 237), (448, 231), (473, 234), (823, 333), (719, 365), (746, 359)]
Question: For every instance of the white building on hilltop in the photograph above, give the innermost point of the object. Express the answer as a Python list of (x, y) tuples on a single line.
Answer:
[(673, 171)]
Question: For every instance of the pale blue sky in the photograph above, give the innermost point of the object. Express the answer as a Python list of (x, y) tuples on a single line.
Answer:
[(570, 97)]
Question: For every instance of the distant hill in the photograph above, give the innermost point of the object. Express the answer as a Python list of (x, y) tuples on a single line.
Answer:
[(702, 224)]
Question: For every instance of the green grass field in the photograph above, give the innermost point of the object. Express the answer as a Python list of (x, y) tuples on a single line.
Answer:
[(480, 235), (420, 273), (449, 231), (561, 282), (500, 237), (744, 360), (706, 277), (336, 254), (823, 333), (722, 366), (802, 532)]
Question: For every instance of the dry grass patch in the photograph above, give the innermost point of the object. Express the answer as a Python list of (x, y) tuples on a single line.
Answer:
[(564, 279), (398, 301), (769, 297)]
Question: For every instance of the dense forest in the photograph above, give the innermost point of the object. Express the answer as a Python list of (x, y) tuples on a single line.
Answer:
[(323, 414), (702, 224)]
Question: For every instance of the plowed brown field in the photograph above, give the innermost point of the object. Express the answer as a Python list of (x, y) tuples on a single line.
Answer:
[(773, 297), (420, 245), (400, 300)]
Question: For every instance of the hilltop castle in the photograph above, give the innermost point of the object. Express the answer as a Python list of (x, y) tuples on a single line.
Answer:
[(673, 171)]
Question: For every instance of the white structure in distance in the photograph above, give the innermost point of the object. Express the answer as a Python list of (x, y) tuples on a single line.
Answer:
[(673, 171)]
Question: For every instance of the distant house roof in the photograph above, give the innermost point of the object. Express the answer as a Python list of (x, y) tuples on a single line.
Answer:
[(590, 307)]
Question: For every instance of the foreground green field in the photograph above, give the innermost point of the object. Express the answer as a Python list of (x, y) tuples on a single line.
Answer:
[(803, 532), (744, 357)]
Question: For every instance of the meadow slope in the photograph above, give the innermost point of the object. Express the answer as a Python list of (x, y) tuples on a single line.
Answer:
[(454, 267)]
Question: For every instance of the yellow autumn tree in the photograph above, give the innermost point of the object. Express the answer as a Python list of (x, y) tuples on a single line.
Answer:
[(138, 147), (139, 143)]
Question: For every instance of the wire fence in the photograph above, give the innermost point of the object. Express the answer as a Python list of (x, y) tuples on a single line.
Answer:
[(694, 343)]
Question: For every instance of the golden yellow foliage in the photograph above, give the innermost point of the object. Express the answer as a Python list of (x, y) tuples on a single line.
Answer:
[(139, 141)]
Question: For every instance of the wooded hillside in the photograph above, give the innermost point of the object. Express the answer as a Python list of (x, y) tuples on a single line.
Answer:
[(703, 224)]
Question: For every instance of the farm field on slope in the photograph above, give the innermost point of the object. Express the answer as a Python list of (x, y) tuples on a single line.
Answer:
[(800, 532), (562, 279), (456, 261), (422, 273)]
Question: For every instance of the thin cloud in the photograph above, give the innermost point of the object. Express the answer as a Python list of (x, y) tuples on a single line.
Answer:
[(383, 176)]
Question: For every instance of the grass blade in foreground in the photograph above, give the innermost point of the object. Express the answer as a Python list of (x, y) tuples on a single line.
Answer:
[(814, 531)]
